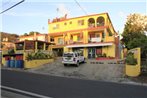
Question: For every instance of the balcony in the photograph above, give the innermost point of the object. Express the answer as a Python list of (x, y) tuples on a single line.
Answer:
[(75, 42), (108, 39), (94, 40)]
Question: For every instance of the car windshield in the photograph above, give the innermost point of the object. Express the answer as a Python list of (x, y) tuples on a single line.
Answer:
[(68, 55)]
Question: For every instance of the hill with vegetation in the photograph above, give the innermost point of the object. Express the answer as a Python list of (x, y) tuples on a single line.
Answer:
[(11, 37)]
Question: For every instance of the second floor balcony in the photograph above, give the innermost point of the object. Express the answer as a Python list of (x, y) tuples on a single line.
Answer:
[(94, 40)]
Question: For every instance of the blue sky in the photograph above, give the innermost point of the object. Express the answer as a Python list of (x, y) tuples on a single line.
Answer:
[(33, 15)]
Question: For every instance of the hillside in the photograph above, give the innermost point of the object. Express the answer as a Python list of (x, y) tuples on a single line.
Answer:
[(11, 37)]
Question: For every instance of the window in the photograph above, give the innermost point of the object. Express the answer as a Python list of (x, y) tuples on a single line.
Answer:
[(100, 21), (65, 23), (103, 35), (80, 22), (19, 46), (91, 22), (75, 55), (40, 45), (109, 32), (60, 41), (51, 39), (68, 54), (97, 35), (78, 38), (56, 26), (70, 22)]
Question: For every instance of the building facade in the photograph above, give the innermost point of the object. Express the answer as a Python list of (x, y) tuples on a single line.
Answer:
[(40, 37), (32, 42), (92, 35)]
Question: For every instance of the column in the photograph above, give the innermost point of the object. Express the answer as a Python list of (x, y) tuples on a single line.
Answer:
[(49, 38), (85, 52), (85, 36), (105, 35), (44, 46), (24, 45), (36, 44)]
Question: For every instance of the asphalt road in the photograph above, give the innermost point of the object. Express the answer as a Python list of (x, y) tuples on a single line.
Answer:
[(60, 87)]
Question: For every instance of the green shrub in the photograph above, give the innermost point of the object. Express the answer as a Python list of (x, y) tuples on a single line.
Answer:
[(130, 60), (38, 55), (30, 57), (104, 54), (11, 51)]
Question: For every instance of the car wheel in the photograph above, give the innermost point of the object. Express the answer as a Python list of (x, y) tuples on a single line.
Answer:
[(65, 64), (84, 60), (77, 64)]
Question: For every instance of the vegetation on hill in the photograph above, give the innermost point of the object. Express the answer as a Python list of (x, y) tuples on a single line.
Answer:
[(11, 37), (30, 33)]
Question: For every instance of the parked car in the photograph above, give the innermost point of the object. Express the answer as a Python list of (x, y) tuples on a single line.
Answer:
[(72, 58)]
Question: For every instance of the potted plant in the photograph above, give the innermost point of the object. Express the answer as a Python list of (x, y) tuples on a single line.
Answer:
[(132, 67), (130, 60)]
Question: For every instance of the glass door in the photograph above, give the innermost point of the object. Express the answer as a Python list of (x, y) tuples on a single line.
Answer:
[(91, 52)]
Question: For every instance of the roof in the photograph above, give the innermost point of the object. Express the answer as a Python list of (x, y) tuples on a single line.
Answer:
[(32, 35), (33, 41), (90, 45), (87, 16), (80, 17)]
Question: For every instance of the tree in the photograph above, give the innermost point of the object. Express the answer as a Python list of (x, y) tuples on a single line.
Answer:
[(32, 32), (25, 34), (134, 33), (135, 28)]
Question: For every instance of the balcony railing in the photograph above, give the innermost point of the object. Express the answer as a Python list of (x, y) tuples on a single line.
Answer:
[(75, 42), (95, 39)]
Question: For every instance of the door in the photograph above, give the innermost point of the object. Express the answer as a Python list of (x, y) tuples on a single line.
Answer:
[(91, 52), (58, 51)]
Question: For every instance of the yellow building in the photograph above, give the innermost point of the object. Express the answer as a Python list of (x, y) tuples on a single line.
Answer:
[(93, 35)]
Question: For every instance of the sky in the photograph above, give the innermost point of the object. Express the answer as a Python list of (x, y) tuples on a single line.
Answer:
[(33, 15)]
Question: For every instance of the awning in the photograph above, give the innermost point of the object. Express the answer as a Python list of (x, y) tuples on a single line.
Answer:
[(89, 45)]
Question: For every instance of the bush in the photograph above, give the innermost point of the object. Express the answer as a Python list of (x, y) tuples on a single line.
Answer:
[(130, 60), (11, 51), (38, 55), (104, 55)]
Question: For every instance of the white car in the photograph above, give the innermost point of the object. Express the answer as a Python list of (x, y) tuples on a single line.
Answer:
[(72, 58)]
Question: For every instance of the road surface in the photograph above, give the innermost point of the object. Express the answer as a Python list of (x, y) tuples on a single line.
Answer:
[(61, 87)]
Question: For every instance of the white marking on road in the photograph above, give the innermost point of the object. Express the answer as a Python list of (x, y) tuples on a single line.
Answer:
[(25, 92)]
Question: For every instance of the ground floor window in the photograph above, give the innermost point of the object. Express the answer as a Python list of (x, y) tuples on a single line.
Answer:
[(79, 50)]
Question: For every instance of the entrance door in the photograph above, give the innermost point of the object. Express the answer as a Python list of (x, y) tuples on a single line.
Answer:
[(58, 51), (91, 52)]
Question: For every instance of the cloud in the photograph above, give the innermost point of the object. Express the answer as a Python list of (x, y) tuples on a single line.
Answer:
[(62, 10)]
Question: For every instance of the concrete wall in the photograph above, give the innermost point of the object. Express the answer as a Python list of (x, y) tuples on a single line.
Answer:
[(109, 50), (36, 63), (134, 70)]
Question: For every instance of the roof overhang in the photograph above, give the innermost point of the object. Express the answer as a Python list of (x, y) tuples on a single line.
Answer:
[(89, 45)]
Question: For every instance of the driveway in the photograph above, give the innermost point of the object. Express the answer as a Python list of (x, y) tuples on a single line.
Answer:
[(94, 70)]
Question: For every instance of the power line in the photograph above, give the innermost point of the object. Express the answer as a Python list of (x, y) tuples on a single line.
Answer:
[(80, 7), (12, 6)]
